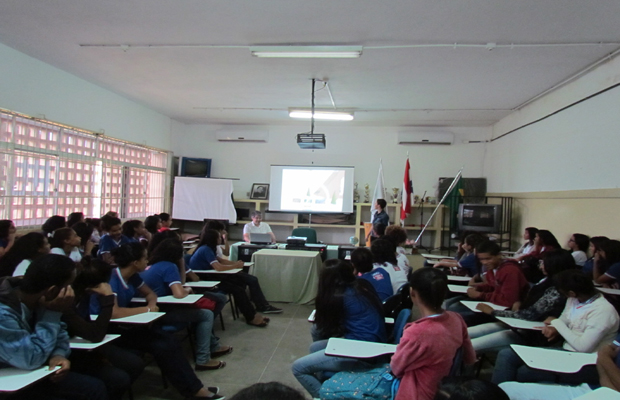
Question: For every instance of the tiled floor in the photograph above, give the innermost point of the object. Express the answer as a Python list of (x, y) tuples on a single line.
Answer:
[(260, 354)]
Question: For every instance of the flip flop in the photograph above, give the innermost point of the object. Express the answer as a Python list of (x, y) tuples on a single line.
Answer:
[(220, 353), (261, 325), (220, 364)]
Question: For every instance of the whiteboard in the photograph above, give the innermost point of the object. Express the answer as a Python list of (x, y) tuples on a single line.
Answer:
[(197, 199)]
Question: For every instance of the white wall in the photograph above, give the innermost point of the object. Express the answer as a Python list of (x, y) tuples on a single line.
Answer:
[(360, 147), (37, 89), (572, 150)]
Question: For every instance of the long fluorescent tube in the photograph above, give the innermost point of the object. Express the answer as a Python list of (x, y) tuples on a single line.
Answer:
[(306, 51), (321, 114)]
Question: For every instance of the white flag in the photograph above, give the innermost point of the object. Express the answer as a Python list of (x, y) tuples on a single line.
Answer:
[(379, 191)]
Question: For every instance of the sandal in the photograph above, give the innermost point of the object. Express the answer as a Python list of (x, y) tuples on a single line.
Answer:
[(260, 325), (220, 364), (220, 353)]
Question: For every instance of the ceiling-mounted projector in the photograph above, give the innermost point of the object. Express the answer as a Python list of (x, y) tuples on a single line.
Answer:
[(311, 140)]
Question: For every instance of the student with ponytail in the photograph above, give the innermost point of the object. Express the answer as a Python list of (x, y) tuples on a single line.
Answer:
[(25, 250), (65, 242)]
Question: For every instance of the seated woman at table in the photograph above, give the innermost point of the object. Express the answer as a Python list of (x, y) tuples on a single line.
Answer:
[(345, 307), (224, 248), (542, 301), (136, 232), (204, 259), (594, 249), (65, 242), (125, 282), (118, 368), (587, 323), (165, 276), (607, 267), (112, 239)]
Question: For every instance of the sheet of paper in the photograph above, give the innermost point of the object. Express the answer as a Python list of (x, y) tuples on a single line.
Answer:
[(189, 299), (83, 344), (311, 316), (212, 271), (202, 284), (521, 323), (434, 256), (472, 305), (609, 290), (602, 393), (456, 278), (567, 362), (458, 288), (12, 379), (357, 348), (144, 318)]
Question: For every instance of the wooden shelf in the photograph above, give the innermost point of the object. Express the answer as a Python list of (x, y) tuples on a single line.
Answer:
[(362, 210)]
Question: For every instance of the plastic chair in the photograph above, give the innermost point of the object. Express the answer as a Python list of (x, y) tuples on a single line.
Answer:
[(308, 233)]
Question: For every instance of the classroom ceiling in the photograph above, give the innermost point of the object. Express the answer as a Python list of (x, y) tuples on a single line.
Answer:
[(390, 84)]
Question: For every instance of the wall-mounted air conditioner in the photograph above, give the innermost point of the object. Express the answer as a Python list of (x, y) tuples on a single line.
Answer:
[(243, 134), (426, 137)]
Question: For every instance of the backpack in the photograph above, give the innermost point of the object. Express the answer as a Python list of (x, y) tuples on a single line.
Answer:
[(375, 384)]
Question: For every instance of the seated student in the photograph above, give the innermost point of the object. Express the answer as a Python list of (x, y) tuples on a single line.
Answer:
[(529, 234), (428, 346), (52, 223), (74, 218), (125, 282), (361, 258), (65, 242), (543, 241), (345, 307), (32, 334), (607, 366), (204, 258), (152, 223), (113, 239), (384, 256), (595, 247), (166, 222), (578, 244), (398, 235), (116, 367), (85, 233), (220, 299), (136, 232), (26, 249), (505, 285), (165, 276), (257, 226), (223, 250), (587, 323), (467, 263), (607, 269), (96, 224), (7, 236), (542, 301)]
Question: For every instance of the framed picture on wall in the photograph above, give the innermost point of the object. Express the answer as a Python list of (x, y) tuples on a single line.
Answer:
[(260, 191)]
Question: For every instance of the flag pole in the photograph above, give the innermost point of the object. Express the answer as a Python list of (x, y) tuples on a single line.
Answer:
[(452, 185)]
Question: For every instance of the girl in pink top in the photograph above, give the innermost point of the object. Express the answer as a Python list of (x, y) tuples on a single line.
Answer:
[(427, 348)]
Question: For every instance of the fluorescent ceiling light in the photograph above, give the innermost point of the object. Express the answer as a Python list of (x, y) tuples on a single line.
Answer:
[(307, 51), (321, 114)]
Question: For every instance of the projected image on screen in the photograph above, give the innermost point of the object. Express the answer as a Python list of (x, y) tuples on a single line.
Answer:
[(311, 189), (320, 191)]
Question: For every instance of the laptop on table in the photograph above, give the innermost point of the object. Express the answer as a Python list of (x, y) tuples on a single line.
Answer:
[(260, 238)]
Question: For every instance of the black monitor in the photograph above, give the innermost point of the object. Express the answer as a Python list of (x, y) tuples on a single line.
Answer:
[(486, 218), (196, 167)]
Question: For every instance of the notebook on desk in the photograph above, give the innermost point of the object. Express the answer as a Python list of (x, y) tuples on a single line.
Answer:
[(260, 238)]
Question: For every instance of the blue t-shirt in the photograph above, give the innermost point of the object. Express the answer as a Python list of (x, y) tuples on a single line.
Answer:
[(614, 271), (380, 280), (361, 320), (107, 244), (202, 259), (124, 291), (381, 217), (588, 267), (160, 276), (469, 263)]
